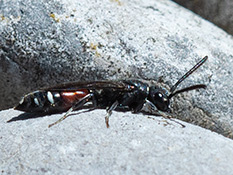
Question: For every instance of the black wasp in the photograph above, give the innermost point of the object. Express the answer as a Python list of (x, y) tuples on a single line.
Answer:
[(127, 94)]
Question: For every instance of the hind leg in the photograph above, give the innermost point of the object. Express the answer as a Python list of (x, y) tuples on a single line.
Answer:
[(77, 105)]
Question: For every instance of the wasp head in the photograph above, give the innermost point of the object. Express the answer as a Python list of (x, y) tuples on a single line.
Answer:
[(159, 98)]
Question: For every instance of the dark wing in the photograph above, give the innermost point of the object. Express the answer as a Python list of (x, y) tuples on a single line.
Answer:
[(73, 86)]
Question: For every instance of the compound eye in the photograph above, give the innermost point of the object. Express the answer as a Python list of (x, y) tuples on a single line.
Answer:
[(159, 97), (161, 101)]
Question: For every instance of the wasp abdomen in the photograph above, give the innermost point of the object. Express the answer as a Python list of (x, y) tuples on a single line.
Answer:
[(50, 101)]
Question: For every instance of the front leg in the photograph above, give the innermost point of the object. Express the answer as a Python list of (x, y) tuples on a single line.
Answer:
[(153, 110), (136, 107)]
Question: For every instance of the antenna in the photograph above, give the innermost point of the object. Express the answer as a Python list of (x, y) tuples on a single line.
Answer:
[(173, 88), (197, 86)]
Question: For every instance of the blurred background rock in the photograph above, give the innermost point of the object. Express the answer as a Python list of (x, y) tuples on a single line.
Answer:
[(218, 12)]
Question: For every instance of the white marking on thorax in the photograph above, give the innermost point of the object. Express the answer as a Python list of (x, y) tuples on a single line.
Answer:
[(50, 97), (99, 91)]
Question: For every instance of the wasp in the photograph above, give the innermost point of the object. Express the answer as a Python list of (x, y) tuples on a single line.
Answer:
[(130, 95)]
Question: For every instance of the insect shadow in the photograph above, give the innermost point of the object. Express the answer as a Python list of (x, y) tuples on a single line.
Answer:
[(29, 115)]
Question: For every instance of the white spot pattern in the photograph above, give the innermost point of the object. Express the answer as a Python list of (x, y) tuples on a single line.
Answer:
[(50, 97), (57, 95), (21, 101), (36, 101), (160, 95)]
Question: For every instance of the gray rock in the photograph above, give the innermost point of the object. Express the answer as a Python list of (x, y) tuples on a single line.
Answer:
[(43, 43), (134, 144), (217, 11)]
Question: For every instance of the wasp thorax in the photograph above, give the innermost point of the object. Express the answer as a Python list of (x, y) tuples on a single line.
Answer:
[(159, 98)]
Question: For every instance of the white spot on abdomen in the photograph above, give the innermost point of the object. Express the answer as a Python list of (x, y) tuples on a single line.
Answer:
[(21, 101), (57, 95), (68, 93), (79, 92), (50, 97), (36, 101)]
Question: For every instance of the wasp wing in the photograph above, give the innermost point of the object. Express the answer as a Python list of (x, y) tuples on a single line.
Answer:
[(73, 86)]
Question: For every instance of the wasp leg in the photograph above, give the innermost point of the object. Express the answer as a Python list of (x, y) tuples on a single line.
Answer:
[(77, 105), (138, 108), (153, 110), (109, 112)]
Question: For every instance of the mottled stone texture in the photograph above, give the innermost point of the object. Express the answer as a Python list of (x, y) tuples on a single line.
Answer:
[(134, 144)]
